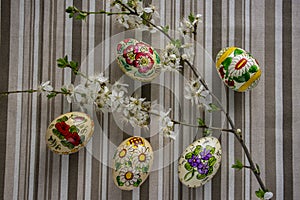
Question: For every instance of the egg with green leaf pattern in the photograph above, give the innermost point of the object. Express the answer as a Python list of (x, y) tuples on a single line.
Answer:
[(199, 162), (238, 69), (69, 132)]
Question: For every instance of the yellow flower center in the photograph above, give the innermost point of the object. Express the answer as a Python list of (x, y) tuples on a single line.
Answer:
[(142, 157), (144, 61), (122, 153), (129, 175)]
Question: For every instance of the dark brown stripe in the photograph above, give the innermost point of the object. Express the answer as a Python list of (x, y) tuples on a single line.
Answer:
[(76, 56), (287, 100), (4, 62), (238, 102), (238, 152), (217, 86), (269, 68)]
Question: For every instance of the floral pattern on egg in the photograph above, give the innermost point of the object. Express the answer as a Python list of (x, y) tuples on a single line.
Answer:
[(238, 69), (69, 133), (138, 60), (132, 162), (199, 162)]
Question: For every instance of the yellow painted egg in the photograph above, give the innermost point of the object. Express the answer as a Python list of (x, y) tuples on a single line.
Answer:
[(238, 69), (132, 162), (138, 60), (69, 132), (199, 162)]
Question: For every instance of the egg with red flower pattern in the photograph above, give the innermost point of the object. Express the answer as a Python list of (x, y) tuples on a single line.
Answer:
[(199, 162), (138, 60), (238, 69), (132, 163), (69, 133)]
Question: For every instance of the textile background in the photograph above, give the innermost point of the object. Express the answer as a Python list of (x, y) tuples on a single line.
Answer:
[(35, 33)]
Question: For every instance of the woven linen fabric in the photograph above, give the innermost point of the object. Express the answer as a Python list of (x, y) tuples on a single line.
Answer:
[(34, 33)]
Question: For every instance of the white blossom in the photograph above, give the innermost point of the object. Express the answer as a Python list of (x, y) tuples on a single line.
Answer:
[(197, 93), (268, 195), (170, 58), (99, 78), (167, 125), (70, 95), (45, 87)]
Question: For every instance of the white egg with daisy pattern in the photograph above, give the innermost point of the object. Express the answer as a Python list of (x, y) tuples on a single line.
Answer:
[(132, 162)]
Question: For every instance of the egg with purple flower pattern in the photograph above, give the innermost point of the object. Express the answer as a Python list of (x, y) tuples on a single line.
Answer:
[(132, 163), (200, 162), (138, 60), (238, 69)]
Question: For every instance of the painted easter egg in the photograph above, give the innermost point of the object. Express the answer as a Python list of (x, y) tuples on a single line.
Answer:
[(238, 69), (138, 60), (199, 162), (69, 132), (132, 162)]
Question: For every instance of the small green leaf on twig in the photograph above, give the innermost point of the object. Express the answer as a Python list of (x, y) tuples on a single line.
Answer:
[(64, 62), (260, 193), (213, 107), (201, 122), (207, 132), (51, 95), (177, 43), (191, 18), (165, 28), (238, 165)]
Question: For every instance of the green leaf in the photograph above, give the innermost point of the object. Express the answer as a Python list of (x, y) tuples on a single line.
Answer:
[(177, 43), (197, 150), (128, 163), (51, 95), (212, 161), (188, 167), (211, 149), (145, 169), (201, 122), (120, 183), (67, 144), (213, 107), (207, 132), (210, 171), (200, 176), (73, 129), (253, 69), (191, 17), (227, 62), (81, 16), (241, 79), (189, 155), (238, 52), (137, 183), (189, 175), (64, 90), (58, 134), (238, 165), (70, 9), (260, 193), (117, 166), (166, 28), (63, 119)]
